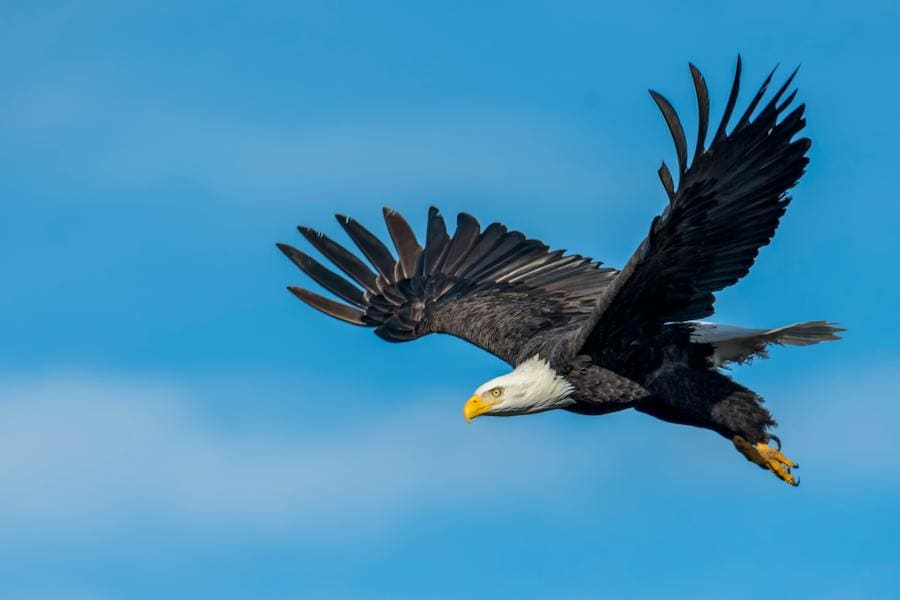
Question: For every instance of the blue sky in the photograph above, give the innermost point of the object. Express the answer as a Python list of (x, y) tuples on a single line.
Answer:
[(174, 424)]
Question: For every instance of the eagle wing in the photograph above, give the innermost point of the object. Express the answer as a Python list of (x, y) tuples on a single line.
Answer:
[(727, 206), (493, 288)]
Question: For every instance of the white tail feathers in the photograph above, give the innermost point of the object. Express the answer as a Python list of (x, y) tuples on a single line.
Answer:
[(739, 344)]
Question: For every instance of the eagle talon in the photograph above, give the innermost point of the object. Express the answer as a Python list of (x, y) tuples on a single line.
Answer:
[(768, 457)]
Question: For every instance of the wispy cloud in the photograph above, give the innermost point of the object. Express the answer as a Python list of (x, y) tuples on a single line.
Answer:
[(83, 457)]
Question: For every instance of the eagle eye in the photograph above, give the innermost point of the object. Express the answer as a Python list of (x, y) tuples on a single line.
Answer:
[(496, 392)]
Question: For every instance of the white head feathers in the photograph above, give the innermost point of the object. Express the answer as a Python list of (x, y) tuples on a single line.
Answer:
[(533, 386)]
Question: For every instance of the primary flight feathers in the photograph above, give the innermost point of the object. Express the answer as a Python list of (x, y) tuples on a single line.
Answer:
[(726, 207), (491, 287)]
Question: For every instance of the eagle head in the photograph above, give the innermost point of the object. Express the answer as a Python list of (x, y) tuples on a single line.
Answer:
[(533, 386)]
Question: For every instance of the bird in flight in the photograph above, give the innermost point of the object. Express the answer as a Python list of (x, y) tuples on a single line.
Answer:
[(591, 339)]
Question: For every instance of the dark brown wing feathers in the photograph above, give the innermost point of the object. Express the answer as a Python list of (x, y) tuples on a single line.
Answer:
[(371, 247), (494, 288), (727, 205)]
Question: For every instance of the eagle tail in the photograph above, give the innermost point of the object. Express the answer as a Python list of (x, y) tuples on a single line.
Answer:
[(739, 344)]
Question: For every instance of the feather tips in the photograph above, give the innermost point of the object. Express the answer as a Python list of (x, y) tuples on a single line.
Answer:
[(436, 240), (341, 257), (464, 238), (370, 246), (331, 281), (408, 249), (732, 101), (665, 176), (745, 118), (675, 128), (702, 109), (329, 307)]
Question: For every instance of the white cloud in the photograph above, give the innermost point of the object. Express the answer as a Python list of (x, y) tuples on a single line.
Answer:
[(85, 457)]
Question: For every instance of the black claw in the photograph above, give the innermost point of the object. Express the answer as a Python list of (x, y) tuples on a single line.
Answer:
[(795, 482), (777, 441), (796, 465)]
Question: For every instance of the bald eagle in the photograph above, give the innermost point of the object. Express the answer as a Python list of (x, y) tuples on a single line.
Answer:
[(591, 339)]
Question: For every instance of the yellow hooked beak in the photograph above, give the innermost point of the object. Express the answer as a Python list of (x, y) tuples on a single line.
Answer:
[(476, 406)]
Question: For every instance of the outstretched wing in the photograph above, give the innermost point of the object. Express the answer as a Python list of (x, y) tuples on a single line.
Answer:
[(493, 288), (727, 206)]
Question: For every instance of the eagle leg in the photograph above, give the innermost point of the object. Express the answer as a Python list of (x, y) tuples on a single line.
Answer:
[(769, 458)]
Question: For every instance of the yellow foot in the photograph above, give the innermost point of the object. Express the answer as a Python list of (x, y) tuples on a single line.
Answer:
[(769, 458)]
